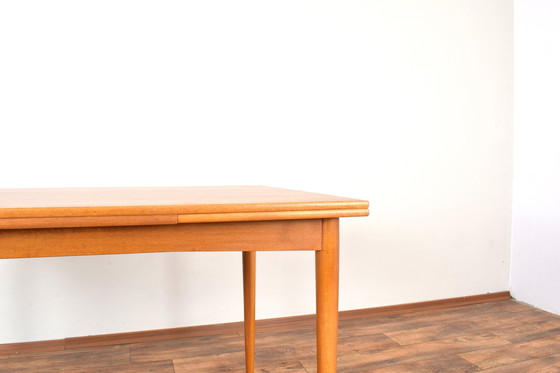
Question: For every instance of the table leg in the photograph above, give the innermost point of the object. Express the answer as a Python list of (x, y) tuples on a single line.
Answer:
[(249, 275), (326, 267)]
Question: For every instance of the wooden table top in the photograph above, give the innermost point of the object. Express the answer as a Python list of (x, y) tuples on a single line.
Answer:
[(61, 207)]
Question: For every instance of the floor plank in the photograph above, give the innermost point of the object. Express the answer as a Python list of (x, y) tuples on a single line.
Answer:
[(547, 328), (460, 328), (149, 367), (228, 362), (87, 359), (497, 337), (448, 364), (370, 360), (513, 353), (547, 364), (184, 348)]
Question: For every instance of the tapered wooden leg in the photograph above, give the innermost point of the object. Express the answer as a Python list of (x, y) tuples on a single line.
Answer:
[(326, 267), (249, 286)]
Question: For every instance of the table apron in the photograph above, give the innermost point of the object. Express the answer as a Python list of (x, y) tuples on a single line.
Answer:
[(229, 236)]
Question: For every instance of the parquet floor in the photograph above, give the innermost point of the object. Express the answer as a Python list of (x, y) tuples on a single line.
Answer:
[(496, 337)]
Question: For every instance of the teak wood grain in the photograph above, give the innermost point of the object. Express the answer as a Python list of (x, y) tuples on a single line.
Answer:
[(87, 221), (230, 236), (78, 202), (327, 296), (249, 300), (100, 221)]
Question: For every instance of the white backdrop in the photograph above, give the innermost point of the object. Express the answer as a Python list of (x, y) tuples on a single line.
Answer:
[(535, 275), (406, 104)]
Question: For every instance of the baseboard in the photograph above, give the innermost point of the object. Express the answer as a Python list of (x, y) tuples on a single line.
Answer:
[(293, 322), (425, 306)]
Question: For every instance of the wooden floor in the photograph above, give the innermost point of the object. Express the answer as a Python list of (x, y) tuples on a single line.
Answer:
[(494, 337)]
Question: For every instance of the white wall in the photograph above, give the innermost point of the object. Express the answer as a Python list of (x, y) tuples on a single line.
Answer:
[(407, 104), (535, 275)]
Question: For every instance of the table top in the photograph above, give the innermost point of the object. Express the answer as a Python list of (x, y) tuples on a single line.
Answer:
[(172, 204)]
